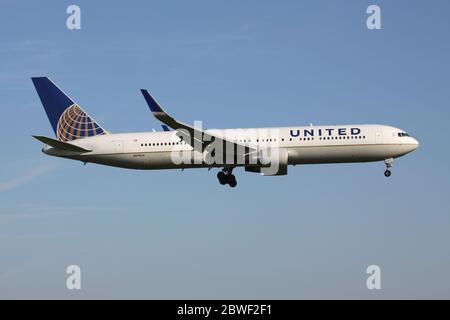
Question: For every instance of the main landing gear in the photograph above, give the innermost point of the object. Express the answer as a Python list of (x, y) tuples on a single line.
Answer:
[(388, 162), (226, 177)]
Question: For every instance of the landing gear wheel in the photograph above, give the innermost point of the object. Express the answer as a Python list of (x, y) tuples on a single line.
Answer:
[(227, 177), (232, 180), (388, 162), (223, 179)]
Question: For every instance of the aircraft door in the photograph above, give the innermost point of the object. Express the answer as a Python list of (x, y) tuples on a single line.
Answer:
[(379, 137), (119, 146)]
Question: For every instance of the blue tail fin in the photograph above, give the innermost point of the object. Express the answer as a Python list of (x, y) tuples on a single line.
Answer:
[(68, 119)]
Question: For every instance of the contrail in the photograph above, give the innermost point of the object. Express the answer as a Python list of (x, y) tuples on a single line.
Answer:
[(25, 178)]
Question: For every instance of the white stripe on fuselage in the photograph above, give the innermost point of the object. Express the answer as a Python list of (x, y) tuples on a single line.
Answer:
[(306, 144)]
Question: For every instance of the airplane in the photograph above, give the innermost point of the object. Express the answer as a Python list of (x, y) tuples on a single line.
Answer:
[(183, 146)]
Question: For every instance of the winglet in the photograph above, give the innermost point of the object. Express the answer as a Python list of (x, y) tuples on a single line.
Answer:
[(152, 103), (165, 128), (162, 115)]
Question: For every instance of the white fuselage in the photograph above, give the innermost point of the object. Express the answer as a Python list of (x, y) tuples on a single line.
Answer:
[(304, 145)]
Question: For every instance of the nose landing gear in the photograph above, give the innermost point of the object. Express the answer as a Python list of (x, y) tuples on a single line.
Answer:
[(388, 162), (226, 177)]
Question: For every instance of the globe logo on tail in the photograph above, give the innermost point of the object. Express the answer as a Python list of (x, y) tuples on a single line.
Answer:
[(74, 123)]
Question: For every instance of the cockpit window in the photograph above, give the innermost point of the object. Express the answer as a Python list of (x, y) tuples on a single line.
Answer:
[(403, 134)]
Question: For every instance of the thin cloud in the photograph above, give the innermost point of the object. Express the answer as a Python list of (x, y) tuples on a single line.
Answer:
[(25, 178)]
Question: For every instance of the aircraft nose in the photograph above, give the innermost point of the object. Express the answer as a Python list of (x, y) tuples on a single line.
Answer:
[(412, 144), (415, 143)]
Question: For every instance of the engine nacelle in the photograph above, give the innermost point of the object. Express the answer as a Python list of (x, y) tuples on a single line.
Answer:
[(272, 163)]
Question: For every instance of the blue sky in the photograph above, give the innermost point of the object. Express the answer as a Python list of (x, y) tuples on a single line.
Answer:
[(173, 234)]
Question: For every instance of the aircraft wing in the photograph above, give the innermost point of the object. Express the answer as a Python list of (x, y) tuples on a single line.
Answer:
[(197, 138)]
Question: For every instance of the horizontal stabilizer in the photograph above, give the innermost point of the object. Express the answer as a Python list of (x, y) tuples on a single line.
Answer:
[(60, 145)]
